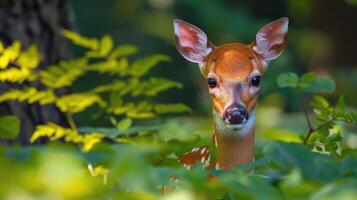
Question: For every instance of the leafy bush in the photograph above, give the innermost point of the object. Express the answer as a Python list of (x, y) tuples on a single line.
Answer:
[(129, 97), (132, 161)]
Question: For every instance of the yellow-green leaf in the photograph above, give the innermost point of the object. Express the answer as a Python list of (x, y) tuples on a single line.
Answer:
[(143, 65), (90, 43), (30, 58), (124, 124), (171, 108), (16, 75), (123, 50), (78, 102), (10, 54), (63, 74)]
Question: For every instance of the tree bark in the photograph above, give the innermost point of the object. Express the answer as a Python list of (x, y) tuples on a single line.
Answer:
[(35, 22)]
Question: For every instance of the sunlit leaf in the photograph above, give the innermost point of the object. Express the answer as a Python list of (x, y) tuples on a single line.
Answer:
[(63, 74), (171, 108), (10, 54), (31, 95), (73, 103), (124, 124), (30, 58), (105, 47), (16, 75), (88, 140), (154, 85), (143, 65), (90, 43), (123, 50)]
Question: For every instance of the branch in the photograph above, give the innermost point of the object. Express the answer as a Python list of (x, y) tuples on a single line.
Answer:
[(315, 129), (311, 128)]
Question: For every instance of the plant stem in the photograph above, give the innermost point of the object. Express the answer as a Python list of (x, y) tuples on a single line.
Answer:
[(311, 129), (71, 122), (315, 129), (305, 112)]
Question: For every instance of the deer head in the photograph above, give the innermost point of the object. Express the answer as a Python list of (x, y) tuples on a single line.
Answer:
[(232, 71)]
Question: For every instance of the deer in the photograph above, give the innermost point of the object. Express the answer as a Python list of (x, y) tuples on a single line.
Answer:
[(233, 72)]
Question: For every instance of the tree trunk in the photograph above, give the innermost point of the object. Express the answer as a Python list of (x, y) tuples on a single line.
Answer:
[(35, 22)]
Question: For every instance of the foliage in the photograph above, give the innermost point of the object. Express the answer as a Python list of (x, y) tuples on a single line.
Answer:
[(325, 135), (112, 98), (136, 159)]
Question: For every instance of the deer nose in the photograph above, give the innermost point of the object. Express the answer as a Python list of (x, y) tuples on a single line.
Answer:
[(236, 114)]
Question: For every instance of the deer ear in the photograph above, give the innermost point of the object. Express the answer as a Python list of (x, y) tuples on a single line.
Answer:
[(272, 39), (191, 42)]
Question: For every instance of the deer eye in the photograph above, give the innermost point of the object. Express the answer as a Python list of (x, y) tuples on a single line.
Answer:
[(255, 81), (212, 82)]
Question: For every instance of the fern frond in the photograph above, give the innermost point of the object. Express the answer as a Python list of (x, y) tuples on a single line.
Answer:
[(10, 54), (86, 42), (63, 74), (171, 108), (30, 58), (112, 67), (142, 66), (77, 102), (15, 75), (154, 85), (106, 45), (55, 132), (31, 95), (141, 110), (123, 51), (51, 131), (115, 86), (135, 87)]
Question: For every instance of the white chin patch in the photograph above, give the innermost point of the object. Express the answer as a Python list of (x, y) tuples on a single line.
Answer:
[(240, 130)]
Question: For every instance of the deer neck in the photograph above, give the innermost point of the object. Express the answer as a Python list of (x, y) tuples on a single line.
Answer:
[(234, 149)]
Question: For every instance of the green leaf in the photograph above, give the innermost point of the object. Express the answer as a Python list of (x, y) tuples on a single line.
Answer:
[(9, 127), (312, 83), (90, 43), (124, 124), (77, 102), (30, 58), (325, 83), (171, 108), (319, 85), (106, 44), (320, 102), (143, 65), (10, 54), (307, 79), (288, 80), (123, 50), (64, 73)]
